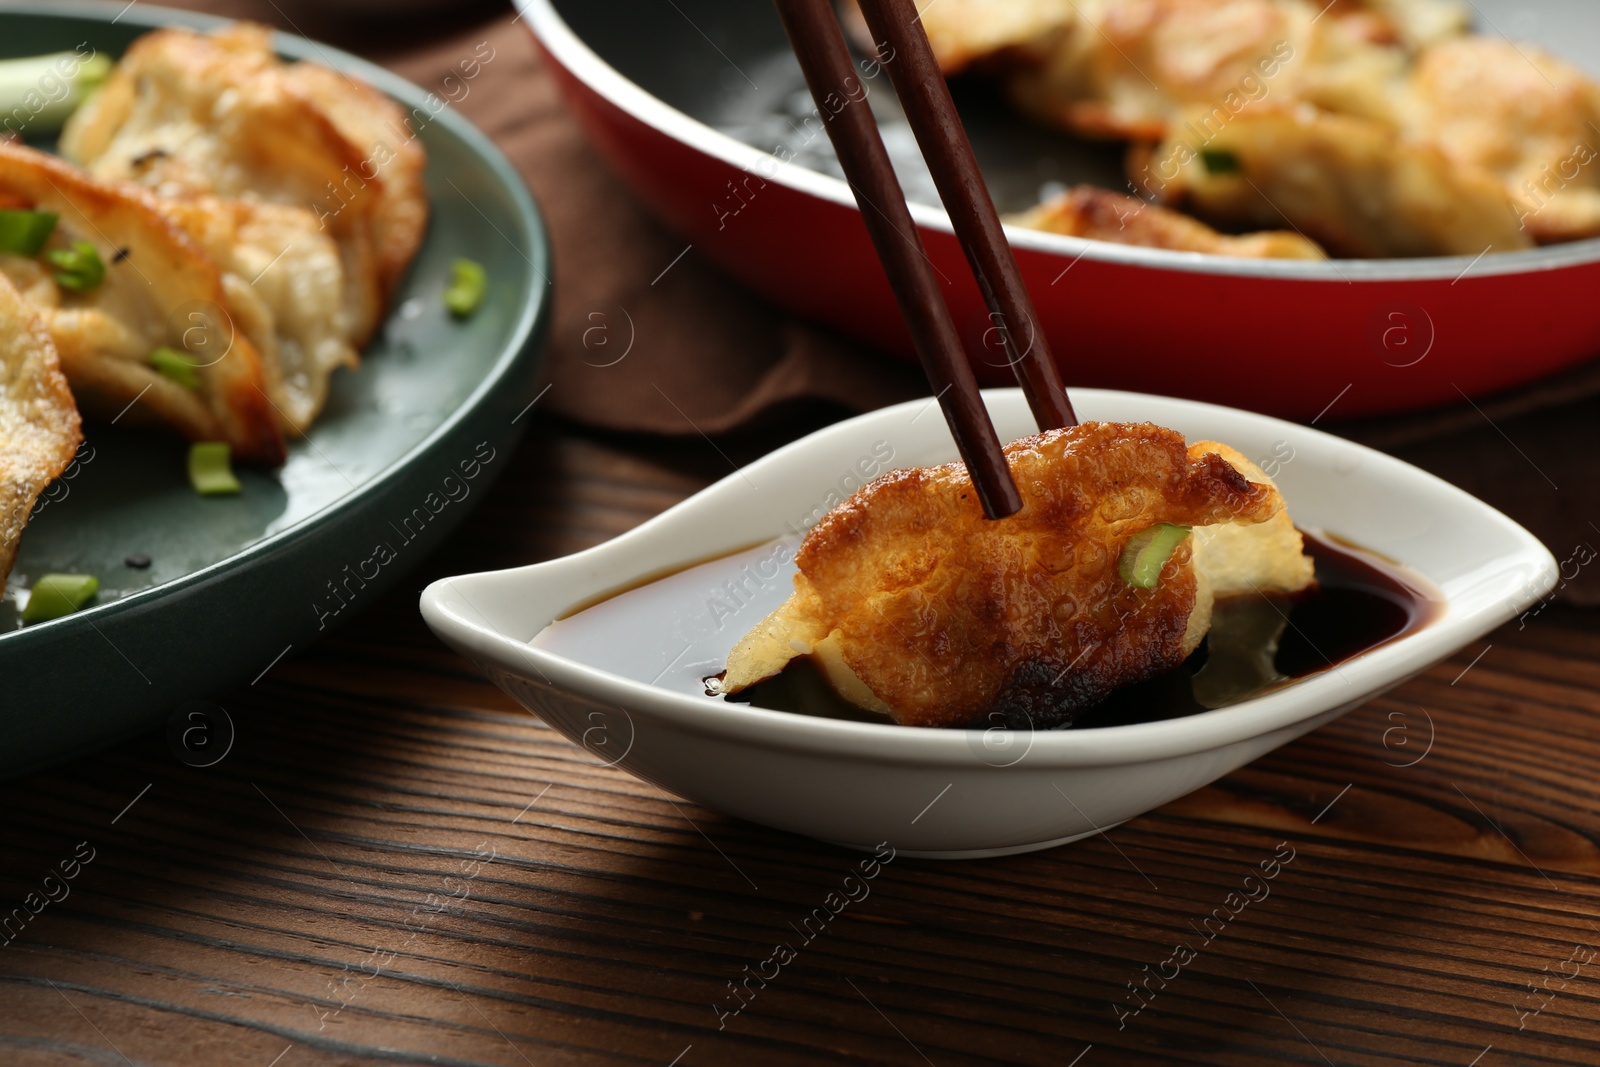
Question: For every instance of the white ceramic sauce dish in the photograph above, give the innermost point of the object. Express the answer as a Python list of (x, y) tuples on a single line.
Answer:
[(626, 684)]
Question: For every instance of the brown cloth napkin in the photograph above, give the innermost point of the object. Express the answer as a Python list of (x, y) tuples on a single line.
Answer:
[(705, 356), (702, 354)]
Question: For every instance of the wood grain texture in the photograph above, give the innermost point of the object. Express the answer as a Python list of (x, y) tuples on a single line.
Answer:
[(395, 865)]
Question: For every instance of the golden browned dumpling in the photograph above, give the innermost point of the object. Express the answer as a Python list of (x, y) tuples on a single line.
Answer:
[(38, 420), (1454, 127), (188, 114), (374, 124), (964, 32), (1132, 68), (1242, 559), (1420, 23), (1100, 215), (1520, 114), (287, 292), (1354, 186), (159, 290), (914, 604)]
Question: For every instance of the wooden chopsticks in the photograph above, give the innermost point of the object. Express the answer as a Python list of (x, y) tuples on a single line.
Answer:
[(841, 99), (925, 97)]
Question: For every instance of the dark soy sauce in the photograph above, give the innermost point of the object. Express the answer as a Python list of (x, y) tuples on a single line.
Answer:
[(1256, 645)]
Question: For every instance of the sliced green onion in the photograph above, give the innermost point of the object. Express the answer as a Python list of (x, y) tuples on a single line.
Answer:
[(1147, 552), (468, 284), (209, 470), (23, 233), (78, 268), (92, 74), (171, 363), (1219, 161), (55, 595), (37, 93)]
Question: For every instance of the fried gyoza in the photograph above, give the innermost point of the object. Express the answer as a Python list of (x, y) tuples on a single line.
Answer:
[(1330, 103), (1420, 23), (1354, 186), (188, 114), (1130, 68), (966, 32), (38, 420), (1522, 115), (1099, 215), (1240, 559), (287, 291), (376, 126), (1491, 152), (160, 290), (915, 605)]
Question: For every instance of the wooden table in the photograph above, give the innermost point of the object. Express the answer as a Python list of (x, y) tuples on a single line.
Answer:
[(393, 864)]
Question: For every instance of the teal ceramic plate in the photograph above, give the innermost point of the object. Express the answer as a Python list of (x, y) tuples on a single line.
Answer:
[(409, 443)]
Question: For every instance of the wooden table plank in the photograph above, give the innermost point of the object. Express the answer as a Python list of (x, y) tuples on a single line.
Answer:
[(308, 899), (309, 895)]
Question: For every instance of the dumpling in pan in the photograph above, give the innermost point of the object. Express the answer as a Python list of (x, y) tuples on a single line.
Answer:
[(1522, 115), (1101, 215), (159, 290), (38, 420), (188, 114), (998, 32), (1355, 187), (1132, 68)]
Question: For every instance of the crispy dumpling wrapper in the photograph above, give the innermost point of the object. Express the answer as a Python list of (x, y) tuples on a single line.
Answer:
[(1355, 186), (1132, 68), (1101, 215), (1240, 559), (287, 291), (1522, 115), (913, 604), (1376, 128), (376, 126), (39, 430), (160, 289), (189, 114), (967, 32)]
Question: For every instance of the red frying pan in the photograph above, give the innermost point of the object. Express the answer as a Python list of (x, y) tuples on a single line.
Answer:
[(689, 99)]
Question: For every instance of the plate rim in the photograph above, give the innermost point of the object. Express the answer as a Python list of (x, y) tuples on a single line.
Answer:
[(573, 53), (534, 308)]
